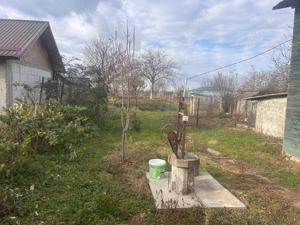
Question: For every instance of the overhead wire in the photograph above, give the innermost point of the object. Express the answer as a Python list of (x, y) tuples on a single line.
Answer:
[(240, 61)]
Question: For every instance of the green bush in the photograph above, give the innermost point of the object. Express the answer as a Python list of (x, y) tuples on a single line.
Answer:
[(135, 122), (146, 104), (156, 105), (28, 129), (222, 115)]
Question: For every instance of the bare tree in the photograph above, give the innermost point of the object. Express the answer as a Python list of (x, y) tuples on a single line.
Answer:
[(282, 57), (127, 77), (112, 64), (265, 81), (102, 56), (282, 64), (161, 85), (137, 81), (178, 86), (156, 67), (275, 79), (74, 67), (226, 86)]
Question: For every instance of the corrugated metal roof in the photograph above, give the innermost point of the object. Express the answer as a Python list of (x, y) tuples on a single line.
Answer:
[(18, 36)]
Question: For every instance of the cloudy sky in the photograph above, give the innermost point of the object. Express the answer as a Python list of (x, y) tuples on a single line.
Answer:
[(198, 34)]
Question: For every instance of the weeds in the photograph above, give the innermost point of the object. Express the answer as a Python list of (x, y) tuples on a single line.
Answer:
[(96, 188)]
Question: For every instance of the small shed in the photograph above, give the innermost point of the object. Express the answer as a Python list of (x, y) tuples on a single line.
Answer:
[(270, 113), (201, 103), (204, 101)]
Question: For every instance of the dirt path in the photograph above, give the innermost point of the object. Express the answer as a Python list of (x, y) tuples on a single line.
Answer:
[(241, 168)]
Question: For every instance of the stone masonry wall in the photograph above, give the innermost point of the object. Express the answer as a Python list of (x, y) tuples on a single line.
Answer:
[(270, 116)]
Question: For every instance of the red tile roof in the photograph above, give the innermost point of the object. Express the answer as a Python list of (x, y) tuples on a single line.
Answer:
[(18, 36)]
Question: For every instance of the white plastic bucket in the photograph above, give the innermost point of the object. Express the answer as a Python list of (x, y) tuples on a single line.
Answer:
[(156, 167)]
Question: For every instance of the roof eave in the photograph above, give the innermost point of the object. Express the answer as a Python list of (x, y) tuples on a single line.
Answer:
[(286, 4), (268, 96), (61, 68)]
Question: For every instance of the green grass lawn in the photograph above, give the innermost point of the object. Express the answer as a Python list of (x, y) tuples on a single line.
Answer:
[(262, 153), (82, 190), (97, 188)]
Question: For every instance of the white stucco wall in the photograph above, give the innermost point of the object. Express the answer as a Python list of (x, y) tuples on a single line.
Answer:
[(26, 74), (270, 116), (2, 85)]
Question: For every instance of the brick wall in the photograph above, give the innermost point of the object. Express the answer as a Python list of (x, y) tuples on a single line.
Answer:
[(270, 116)]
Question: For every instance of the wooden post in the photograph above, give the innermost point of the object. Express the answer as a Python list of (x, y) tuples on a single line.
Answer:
[(178, 130), (183, 127), (198, 105), (61, 91), (136, 101), (41, 91)]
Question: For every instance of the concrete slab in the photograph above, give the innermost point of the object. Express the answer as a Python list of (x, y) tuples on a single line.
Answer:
[(209, 193)]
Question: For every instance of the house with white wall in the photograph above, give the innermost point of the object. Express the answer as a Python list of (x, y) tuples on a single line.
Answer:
[(28, 53)]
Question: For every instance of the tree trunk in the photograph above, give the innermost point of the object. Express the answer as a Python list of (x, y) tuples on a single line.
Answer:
[(198, 108), (152, 90), (97, 113), (136, 101), (123, 145)]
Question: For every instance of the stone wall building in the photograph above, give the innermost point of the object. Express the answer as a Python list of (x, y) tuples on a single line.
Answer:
[(28, 53), (270, 114)]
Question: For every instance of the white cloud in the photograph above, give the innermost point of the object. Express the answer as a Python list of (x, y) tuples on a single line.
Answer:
[(199, 35), (72, 33)]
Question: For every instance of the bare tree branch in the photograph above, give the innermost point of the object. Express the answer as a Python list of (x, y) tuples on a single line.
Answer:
[(156, 67)]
